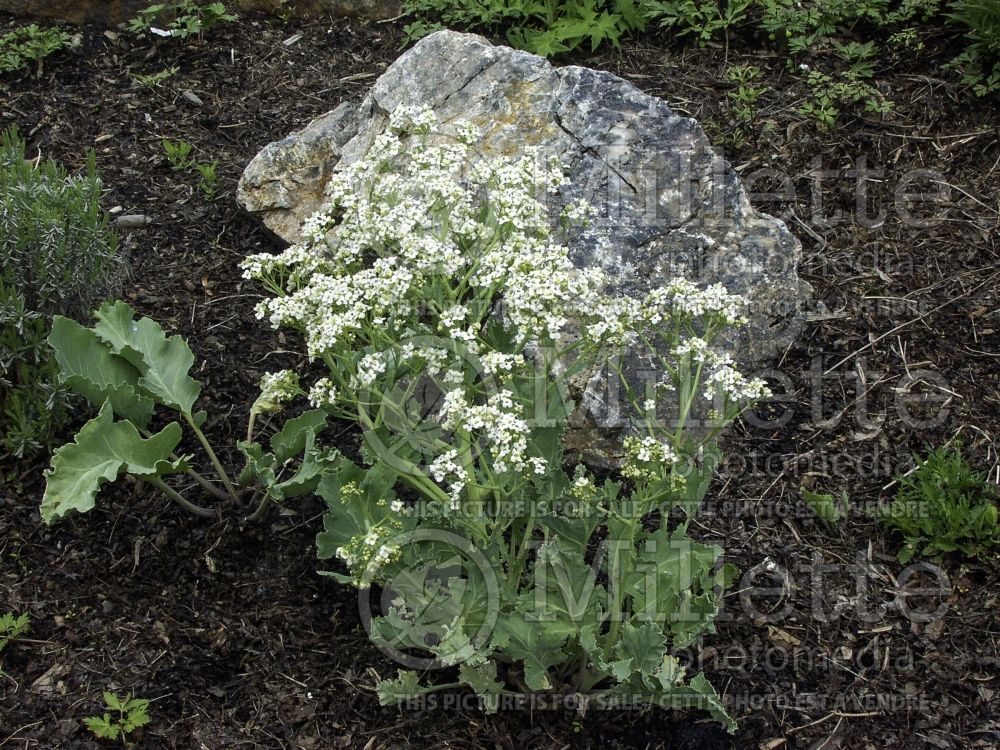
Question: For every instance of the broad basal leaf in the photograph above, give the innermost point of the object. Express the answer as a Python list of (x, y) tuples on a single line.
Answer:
[(87, 366), (531, 643), (641, 647), (164, 362), (101, 452)]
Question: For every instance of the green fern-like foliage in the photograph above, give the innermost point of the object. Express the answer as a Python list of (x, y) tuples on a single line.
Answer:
[(57, 255), (29, 44)]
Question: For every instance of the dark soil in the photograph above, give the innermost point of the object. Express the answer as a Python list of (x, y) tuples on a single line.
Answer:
[(241, 644)]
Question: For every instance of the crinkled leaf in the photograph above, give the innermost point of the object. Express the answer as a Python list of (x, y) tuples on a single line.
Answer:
[(531, 643), (405, 687), (706, 698), (164, 362), (290, 441), (308, 475), (102, 451), (87, 366), (566, 596), (258, 467), (672, 583), (483, 679), (641, 647)]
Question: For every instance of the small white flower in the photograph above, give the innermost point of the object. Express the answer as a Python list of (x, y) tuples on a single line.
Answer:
[(323, 393)]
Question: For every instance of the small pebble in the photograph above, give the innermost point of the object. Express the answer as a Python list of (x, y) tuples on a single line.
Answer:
[(132, 221)]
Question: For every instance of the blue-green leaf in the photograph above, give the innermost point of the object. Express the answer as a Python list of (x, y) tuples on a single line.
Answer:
[(87, 366), (164, 362), (101, 452)]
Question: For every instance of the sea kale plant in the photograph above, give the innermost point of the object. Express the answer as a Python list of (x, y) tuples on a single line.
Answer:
[(435, 293), (438, 294)]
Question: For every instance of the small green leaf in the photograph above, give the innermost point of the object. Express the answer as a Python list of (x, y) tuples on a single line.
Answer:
[(102, 726), (101, 451), (405, 687), (824, 506), (112, 701)]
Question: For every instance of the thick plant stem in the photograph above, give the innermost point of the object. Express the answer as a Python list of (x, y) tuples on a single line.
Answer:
[(615, 579), (180, 500), (518, 565), (206, 485), (265, 503), (216, 464)]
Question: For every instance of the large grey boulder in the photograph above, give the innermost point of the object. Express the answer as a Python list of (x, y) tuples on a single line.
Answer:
[(669, 205)]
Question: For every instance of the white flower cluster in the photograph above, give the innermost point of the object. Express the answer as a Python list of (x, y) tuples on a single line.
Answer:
[(499, 422), (683, 297), (733, 384), (645, 457), (446, 470), (424, 237), (323, 393), (275, 389), (722, 377), (413, 211), (366, 553), (619, 321), (370, 367), (500, 364)]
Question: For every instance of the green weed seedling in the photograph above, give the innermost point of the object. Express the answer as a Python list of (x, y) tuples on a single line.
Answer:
[(121, 719), (825, 507), (155, 80), (178, 154), (700, 19), (208, 182), (12, 627), (746, 94), (944, 506), (181, 19), (29, 44)]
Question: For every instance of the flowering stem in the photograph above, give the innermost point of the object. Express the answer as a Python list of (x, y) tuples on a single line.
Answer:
[(517, 568), (691, 387)]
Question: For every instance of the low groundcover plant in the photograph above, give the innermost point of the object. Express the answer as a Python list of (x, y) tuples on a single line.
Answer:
[(436, 290)]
